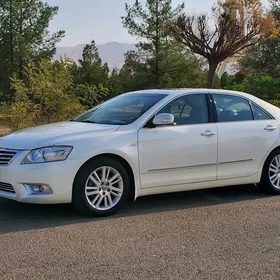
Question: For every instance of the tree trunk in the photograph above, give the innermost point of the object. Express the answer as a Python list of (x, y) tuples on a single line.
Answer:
[(20, 70), (11, 38), (157, 44), (211, 73)]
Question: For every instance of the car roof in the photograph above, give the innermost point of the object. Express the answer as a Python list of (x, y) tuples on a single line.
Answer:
[(179, 91), (186, 90)]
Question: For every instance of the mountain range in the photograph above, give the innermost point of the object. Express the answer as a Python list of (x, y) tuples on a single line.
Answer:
[(111, 52)]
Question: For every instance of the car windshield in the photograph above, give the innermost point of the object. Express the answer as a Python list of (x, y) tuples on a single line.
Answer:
[(121, 110)]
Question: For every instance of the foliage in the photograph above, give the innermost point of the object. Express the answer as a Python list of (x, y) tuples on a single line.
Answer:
[(45, 96), (90, 69), (263, 86), (159, 60), (275, 8), (135, 74), (22, 115), (232, 33), (260, 68), (275, 103), (115, 84), (24, 36), (90, 95), (46, 91), (262, 58), (230, 80)]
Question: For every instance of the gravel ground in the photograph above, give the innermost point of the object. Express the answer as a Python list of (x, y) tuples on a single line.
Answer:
[(226, 233)]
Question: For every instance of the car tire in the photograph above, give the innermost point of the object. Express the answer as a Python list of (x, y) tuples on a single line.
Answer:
[(104, 196), (270, 180)]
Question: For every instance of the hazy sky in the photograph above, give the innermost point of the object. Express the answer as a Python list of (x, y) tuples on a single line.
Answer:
[(84, 20)]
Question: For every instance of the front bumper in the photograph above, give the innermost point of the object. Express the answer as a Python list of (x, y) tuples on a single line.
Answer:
[(58, 175)]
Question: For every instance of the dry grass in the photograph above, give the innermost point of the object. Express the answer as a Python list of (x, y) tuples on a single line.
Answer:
[(4, 129)]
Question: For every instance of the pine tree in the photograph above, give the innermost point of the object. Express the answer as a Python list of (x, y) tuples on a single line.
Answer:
[(90, 69), (149, 24), (23, 36)]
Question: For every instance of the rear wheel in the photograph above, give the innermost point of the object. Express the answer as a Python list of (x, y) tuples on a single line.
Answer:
[(101, 187), (270, 181)]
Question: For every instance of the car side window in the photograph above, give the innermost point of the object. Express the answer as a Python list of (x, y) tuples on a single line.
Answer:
[(232, 108), (259, 114), (188, 109)]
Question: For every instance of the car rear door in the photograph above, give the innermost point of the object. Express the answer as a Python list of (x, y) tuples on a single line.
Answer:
[(245, 134)]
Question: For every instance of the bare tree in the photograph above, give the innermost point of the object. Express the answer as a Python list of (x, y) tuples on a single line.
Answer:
[(237, 25)]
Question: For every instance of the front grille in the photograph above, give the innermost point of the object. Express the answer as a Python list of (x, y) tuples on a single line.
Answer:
[(7, 155), (5, 187)]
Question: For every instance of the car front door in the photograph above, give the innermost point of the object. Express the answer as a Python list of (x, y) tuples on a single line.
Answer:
[(183, 153), (245, 134)]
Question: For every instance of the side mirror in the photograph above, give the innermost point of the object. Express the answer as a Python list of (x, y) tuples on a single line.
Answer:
[(163, 119)]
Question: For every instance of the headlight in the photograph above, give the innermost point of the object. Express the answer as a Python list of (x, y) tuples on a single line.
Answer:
[(48, 154)]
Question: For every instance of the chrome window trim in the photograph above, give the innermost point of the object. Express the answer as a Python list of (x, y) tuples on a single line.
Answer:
[(245, 98), (233, 95), (261, 108), (174, 98)]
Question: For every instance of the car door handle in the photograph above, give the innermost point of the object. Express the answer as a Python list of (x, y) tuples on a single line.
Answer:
[(270, 128), (208, 133)]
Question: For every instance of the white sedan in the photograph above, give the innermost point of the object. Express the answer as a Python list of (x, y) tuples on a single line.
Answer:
[(143, 143)]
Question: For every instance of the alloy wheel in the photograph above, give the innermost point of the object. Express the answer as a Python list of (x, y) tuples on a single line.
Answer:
[(104, 188), (274, 172)]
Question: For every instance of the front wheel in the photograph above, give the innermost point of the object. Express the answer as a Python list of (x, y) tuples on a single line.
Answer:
[(270, 181), (101, 187)]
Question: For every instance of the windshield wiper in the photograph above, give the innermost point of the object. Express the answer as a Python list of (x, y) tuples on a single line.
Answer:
[(116, 122), (85, 121)]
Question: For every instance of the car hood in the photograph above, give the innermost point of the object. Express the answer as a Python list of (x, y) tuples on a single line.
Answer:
[(53, 134)]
